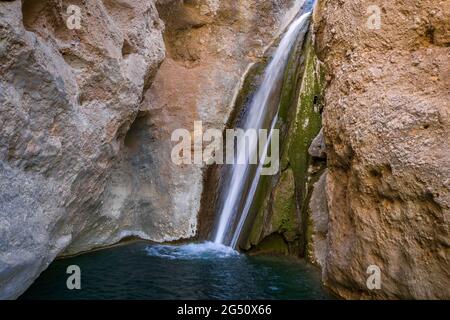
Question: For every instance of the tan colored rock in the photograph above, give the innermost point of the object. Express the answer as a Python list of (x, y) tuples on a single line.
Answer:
[(387, 123), (210, 47)]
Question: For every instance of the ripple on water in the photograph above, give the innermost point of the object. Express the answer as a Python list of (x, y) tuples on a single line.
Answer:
[(191, 271), (192, 251)]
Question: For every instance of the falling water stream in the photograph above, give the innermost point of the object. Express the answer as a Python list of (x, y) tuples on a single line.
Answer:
[(210, 270), (241, 180)]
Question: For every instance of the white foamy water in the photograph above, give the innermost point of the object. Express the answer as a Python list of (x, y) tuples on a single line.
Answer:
[(191, 251), (231, 221)]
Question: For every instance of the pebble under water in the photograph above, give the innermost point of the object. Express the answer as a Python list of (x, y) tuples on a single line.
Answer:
[(194, 271)]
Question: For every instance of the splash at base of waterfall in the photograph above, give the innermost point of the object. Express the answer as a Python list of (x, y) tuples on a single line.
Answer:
[(206, 250), (195, 271)]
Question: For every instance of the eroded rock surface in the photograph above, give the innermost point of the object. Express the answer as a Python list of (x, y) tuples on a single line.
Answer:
[(387, 133), (67, 97), (210, 46), (84, 158)]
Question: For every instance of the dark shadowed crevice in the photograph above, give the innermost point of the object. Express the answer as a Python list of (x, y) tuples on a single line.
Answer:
[(32, 10), (127, 49), (138, 131)]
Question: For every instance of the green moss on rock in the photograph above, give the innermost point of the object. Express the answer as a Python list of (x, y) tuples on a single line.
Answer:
[(308, 120), (284, 214), (280, 208)]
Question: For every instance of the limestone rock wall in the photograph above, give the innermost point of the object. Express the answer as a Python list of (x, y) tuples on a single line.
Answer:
[(210, 47), (67, 97), (386, 127), (86, 116)]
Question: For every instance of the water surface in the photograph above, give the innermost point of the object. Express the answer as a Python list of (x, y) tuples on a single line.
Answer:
[(194, 271)]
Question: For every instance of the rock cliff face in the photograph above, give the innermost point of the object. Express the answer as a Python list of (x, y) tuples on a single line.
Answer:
[(210, 47), (386, 128), (67, 98), (87, 114), (384, 199)]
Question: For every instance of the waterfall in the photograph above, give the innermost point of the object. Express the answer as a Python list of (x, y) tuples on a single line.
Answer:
[(241, 180)]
